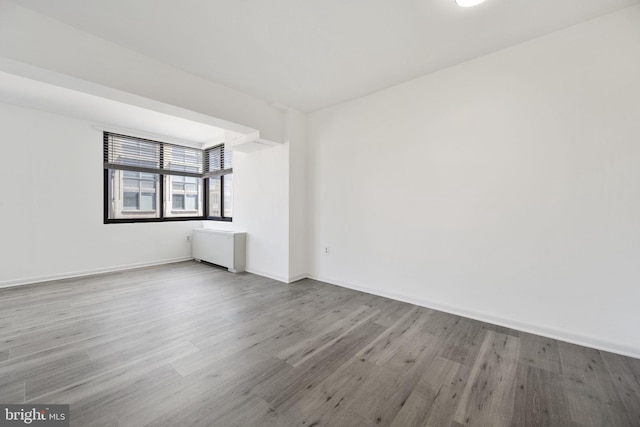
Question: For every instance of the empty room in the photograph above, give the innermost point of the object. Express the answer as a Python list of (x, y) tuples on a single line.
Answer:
[(332, 213)]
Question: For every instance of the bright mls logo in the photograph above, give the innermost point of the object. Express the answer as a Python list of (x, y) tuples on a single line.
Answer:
[(34, 415)]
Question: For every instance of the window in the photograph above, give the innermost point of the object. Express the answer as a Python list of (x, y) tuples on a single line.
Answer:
[(219, 170), (184, 192), (185, 196), (139, 191), (154, 181)]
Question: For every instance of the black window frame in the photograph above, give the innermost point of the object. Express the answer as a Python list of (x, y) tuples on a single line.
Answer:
[(219, 167), (163, 172)]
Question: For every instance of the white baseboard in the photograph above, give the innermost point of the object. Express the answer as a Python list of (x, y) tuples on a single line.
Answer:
[(296, 278), (282, 279), (554, 333), (90, 272), (268, 275)]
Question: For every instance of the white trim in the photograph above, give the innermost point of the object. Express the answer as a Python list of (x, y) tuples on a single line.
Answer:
[(268, 275), (82, 273), (297, 277), (554, 333), (545, 331)]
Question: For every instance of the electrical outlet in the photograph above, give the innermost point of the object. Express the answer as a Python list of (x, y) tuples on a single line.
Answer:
[(188, 238), (326, 250)]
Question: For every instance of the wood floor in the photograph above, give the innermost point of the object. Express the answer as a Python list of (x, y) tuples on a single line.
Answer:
[(189, 344)]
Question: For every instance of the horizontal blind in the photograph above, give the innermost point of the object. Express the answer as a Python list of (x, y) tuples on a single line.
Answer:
[(182, 159), (120, 150), (218, 161), (143, 155)]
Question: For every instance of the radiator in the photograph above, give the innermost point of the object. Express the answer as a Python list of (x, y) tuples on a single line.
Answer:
[(224, 248)]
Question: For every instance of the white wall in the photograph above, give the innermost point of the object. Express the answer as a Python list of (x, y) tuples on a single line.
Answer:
[(270, 204), (506, 188), (296, 135), (261, 179), (51, 209), (38, 40), (261, 209)]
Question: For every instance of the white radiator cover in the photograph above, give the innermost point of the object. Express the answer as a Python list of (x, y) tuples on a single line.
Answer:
[(224, 248)]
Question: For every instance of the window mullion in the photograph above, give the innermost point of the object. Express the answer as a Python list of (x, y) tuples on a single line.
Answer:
[(221, 195), (160, 199)]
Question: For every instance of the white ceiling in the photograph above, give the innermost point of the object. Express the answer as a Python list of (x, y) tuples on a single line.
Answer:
[(312, 54)]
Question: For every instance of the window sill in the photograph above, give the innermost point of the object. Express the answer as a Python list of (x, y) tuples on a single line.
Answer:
[(215, 218), (141, 220)]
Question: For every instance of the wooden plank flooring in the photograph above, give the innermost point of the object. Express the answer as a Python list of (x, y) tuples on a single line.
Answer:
[(189, 344)]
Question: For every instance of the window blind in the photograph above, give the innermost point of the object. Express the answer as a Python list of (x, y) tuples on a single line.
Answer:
[(182, 159), (218, 161), (137, 154)]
